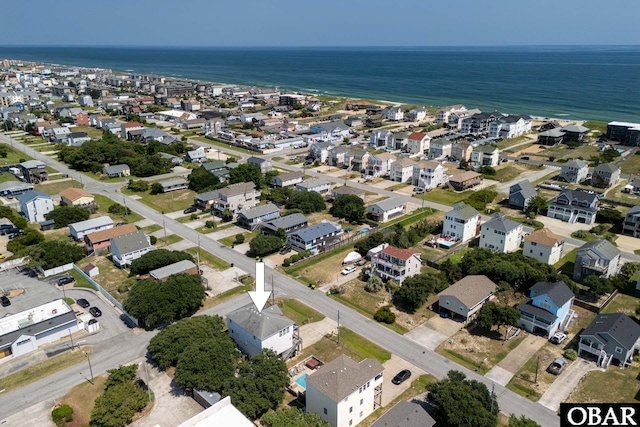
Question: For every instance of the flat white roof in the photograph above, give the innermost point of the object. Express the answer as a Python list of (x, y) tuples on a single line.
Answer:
[(222, 413), (627, 124), (32, 316)]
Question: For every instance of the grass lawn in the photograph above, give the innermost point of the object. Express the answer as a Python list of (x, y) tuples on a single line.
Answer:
[(457, 257), (100, 177), (205, 230), (592, 236), (103, 208), (82, 398), (508, 172), (151, 228), (170, 240), (13, 156), (397, 187), (509, 142), (91, 131), (621, 386), (631, 165), (209, 259), (277, 159), (248, 236), (566, 262), (42, 370), (319, 269), (165, 202), (110, 276), (223, 145), (80, 282), (523, 382), (616, 194), (55, 187), (6, 177), (445, 196), (594, 126), (623, 304), (299, 312)]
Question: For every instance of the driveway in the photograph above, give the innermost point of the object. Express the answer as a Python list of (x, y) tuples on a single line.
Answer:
[(566, 382), (391, 367), (434, 332), (313, 332), (503, 371)]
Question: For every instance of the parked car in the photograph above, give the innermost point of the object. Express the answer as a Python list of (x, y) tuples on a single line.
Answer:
[(5, 301), (65, 280), (558, 337), (83, 302), (401, 377), (190, 209), (95, 312), (9, 230), (418, 190), (557, 366), (2, 256), (285, 250), (348, 270), (14, 235), (524, 158)]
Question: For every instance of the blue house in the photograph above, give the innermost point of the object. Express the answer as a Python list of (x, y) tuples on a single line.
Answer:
[(548, 308)]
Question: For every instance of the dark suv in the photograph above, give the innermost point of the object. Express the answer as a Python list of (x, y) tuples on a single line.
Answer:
[(65, 280), (5, 301)]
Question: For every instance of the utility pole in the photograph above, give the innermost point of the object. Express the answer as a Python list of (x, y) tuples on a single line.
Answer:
[(71, 338), (537, 366), (126, 211), (164, 226), (90, 369), (198, 254), (273, 293), (338, 326)]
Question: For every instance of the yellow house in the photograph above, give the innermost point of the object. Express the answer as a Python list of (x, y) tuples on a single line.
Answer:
[(76, 197)]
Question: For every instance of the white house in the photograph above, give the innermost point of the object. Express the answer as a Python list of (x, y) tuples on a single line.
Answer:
[(442, 115), (395, 263), (80, 229), (320, 150), (393, 113), (319, 185), (344, 392), (429, 174), (255, 331), (34, 205), (386, 209), (287, 179), (485, 155), (315, 236), (596, 257), (462, 222), (501, 234), (440, 149), (575, 171), (128, 247), (379, 164), (510, 126), (544, 246), (418, 143), (402, 170), (380, 138), (417, 115)]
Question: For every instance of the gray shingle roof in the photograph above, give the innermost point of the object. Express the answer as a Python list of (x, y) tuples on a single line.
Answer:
[(312, 183), (88, 224), (471, 290), (14, 186), (260, 324), (32, 164), (175, 268), (579, 196), (32, 195), (131, 242), (342, 376), (559, 292), (553, 133), (315, 231), (602, 246), (405, 414), (116, 169), (618, 325), (173, 181), (388, 204), (528, 307), (525, 188), (287, 221), (500, 223), (606, 167), (575, 128), (464, 211), (576, 163), (258, 211)]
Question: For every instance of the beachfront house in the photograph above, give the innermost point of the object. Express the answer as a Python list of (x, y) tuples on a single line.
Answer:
[(624, 133), (442, 115), (510, 126), (462, 223)]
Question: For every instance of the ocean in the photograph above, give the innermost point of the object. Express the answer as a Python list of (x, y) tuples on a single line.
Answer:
[(590, 83)]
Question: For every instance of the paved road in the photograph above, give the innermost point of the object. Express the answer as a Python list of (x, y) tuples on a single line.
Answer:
[(126, 347)]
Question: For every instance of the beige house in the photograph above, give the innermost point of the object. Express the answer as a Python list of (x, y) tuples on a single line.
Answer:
[(234, 197), (76, 197), (465, 298), (461, 151), (544, 246), (605, 175), (485, 155), (402, 170)]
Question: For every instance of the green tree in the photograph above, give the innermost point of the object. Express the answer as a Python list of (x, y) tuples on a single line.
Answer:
[(239, 239), (415, 290), (19, 244), (65, 215), (227, 215), (201, 180), (156, 188), (609, 216), (54, 253), (522, 421), (537, 205), (365, 245), (120, 401), (118, 209), (307, 201), (598, 285), (166, 347), (384, 314), (349, 207), (280, 195), (247, 173), (263, 245), (156, 259), (207, 365), (4, 151), (460, 402), (374, 283), (292, 417)]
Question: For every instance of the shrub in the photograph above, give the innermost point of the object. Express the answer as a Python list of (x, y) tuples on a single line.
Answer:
[(295, 258), (570, 354), (239, 239), (153, 240), (374, 284), (580, 234), (61, 414), (194, 216), (286, 262), (384, 314), (123, 288), (210, 224)]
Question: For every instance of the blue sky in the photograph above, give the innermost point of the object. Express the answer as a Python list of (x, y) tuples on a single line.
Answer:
[(320, 23)]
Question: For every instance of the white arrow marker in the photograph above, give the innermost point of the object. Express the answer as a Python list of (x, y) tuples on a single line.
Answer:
[(259, 296)]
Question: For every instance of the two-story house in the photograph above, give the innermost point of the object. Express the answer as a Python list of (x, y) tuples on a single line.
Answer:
[(380, 138), (631, 224), (338, 155), (605, 175), (521, 193), (461, 151), (234, 197), (575, 171), (400, 141), (76, 197), (429, 174), (356, 160), (34, 171), (319, 185), (479, 122), (393, 113), (264, 165), (544, 246), (396, 264), (79, 229), (418, 143), (314, 237), (289, 223), (500, 234), (462, 223), (386, 209), (439, 149), (609, 337), (575, 206), (465, 180), (402, 170), (485, 155), (442, 115), (251, 218), (344, 392), (126, 128), (126, 248), (35, 205), (465, 298), (597, 257), (346, 190), (379, 164), (548, 308)]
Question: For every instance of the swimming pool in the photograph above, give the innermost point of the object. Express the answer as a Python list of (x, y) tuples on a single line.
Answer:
[(364, 230), (302, 380)]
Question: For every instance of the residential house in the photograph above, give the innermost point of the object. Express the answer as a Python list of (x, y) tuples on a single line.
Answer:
[(465, 298), (319, 151), (548, 309), (625, 133), (417, 115), (35, 205), (402, 170), (510, 126), (77, 138), (393, 113), (59, 134), (479, 123), (355, 121), (485, 155), (78, 230), (156, 134), (396, 264), (500, 234), (234, 197), (380, 138), (319, 185), (429, 174), (82, 119), (314, 237), (520, 194), (288, 223), (218, 412), (405, 414), (76, 197), (128, 247), (287, 179), (100, 241), (198, 155), (461, 151), (462, 222), (190, 105), (34, 171), (575, 206), (345, 190), (575, 171), (116, 170), (465, 180), (631, 224), (254, 331), (251, 218), (550, 137), (264, 165), (605, 175), (386, 209), (544, 246), (344, 392), (442, 115), (356, 160), (126, 128), (337, 156), (181, 267), (575, 133), (13, 188), (611, 336), (418, 143), (379, 164), (174, 184), (400, 141), (336, 129), (597, 257), (440, 149)]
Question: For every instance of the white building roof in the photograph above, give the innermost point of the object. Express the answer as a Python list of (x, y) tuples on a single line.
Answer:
[(32, 316)]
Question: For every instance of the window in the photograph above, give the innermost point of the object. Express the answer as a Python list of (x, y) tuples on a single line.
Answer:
[(350, 409), (360, 414), (325, 411), (618, 350), (350, 422), (361, 401)]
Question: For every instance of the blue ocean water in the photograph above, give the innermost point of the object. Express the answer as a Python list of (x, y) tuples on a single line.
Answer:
[(596, 83)]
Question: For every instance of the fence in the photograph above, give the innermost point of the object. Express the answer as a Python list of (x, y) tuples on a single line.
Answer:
[(14, 263), (55, 270), (595, 308), (106, 294)]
